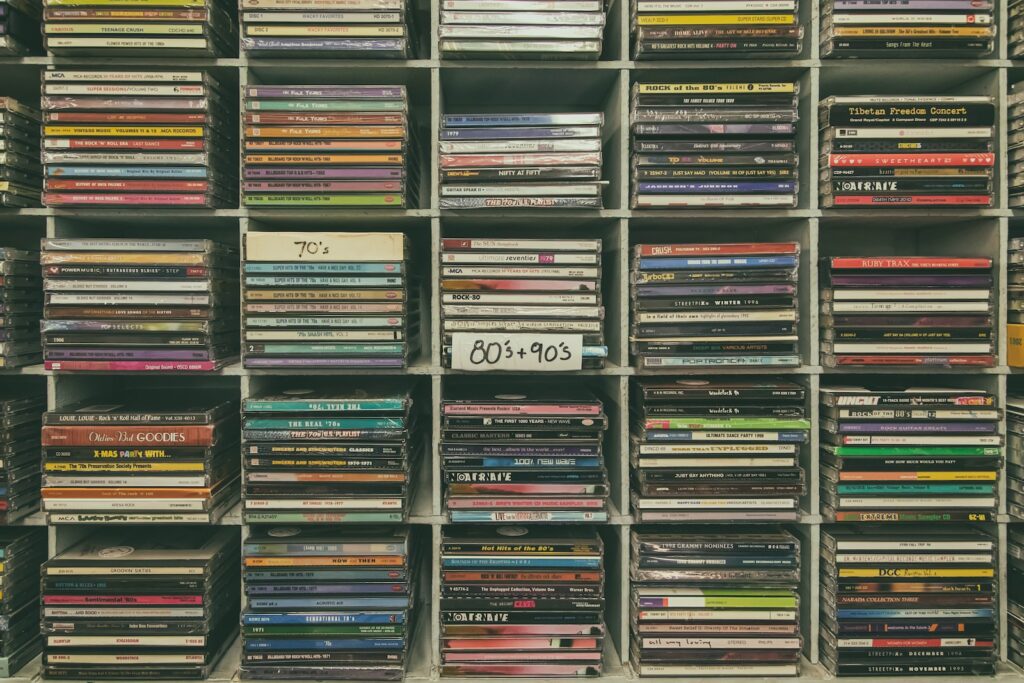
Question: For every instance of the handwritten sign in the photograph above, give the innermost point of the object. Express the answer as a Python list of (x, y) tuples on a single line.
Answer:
[(480, 352)]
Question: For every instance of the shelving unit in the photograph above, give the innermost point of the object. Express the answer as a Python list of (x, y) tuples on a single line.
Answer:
[(439, 86)]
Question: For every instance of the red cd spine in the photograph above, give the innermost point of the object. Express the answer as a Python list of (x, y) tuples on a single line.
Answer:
[(916, 160), (191, 435)]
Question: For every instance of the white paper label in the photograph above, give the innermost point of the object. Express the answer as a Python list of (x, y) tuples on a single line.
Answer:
[(520, 352)]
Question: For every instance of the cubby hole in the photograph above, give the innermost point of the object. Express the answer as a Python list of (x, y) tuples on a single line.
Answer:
[(544, 91), (806, 456), (917, 77), (651, 229), (417, 232), (915, 236), (611, 47), (644, 73), (421, 477), (418, 92), (606, 389), (460, 224), (728, 60)]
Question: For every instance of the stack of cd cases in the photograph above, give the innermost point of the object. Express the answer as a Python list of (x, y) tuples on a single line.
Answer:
[(714, 145), (20, 170), (518, 29), (715, 305), (329, 457), (1015, 31), (1015, 144), (136, 28), (22, 551), (1014, 293), (680, 29), (714, 604), (314, 146), (21, 306), (519, 601), (336, 29), (512, 161), (1015, 597), (21, 411), (145, 305), (909, 455), (329, 300), (862, 28), (325, 603), (907, 311), (138, 138), (529, 454), (20, 34), (913, 150), (1015, 455), (523, 285), (909, 601), (141, 459), (126, 601), (718, 450)]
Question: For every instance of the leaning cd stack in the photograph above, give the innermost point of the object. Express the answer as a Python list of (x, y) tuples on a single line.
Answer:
[(716, 29), (908, 601), (138, 139), (21, 412), (140, 28), (1015, 597), (1015, 149), (20, 171), (513, 161), (916, 150), (523, 286), (714, 604), (1015, 302), (907, 311), (128, 602), (139, 305), (329, 604), (338, 457), (1015, 456), (19, 28), (718, 451), (314, 146), (141, 460), (522, 29), (699, 145), (335, 29), (958, 29), (526, 455), (1015, 30), (21, 306), (697, 305), (521, 601), (909, 455), (21, 553), (329, 300)]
